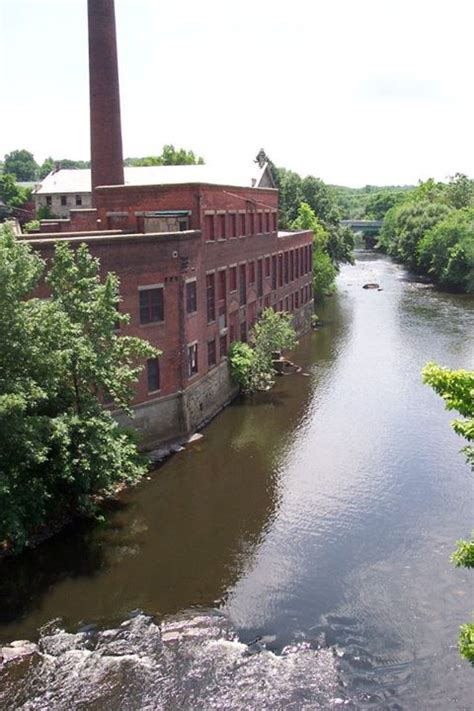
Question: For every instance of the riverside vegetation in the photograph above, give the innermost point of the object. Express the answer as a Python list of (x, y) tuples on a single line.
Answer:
[(431, 230), (457, 390), (251, 363), (60, 450)]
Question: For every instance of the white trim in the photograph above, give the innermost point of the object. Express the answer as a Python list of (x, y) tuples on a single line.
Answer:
[(190, 279), (151, 286)]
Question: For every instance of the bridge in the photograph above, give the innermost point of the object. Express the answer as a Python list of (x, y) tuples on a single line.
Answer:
[(369, 229)]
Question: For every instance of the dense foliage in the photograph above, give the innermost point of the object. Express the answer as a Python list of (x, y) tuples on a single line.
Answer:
[(169, 156), (251, 363), (370, 202), (59, 448), (21, 164), (432, 231), (457, 390), (321, 198), (324, 270), (11, 194)]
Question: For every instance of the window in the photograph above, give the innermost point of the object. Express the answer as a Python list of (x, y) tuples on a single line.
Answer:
[(221, 287), (297, 263), (192, 359), (78, 199), (267, 222), (287, 303), (211, 297), (297, 300), (49, 200), (302, 269), (251, 272), (287, 267), (232, 225), (280, 270), (221, 226), (274, 221), (260, 222), (252, 223), (260, 277), (243, 331), (274, 272), (211, 352), (233, 279), (267, 266), (153, 373), (242, 285), (242, 225), (223, 346), (209, 228), (191, 297), (63, 199), (151, 305), (292, 265)]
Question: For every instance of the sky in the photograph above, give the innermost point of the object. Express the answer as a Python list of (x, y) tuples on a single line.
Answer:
[(355, 92)]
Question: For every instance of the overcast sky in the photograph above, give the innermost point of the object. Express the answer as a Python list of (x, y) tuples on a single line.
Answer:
[(355, 92)]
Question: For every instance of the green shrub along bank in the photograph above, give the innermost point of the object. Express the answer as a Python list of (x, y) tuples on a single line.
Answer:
[(60, 450), (432, 232), (456, 387), (251, 363)]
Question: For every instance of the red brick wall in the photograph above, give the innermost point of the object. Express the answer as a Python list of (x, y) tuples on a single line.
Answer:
[(171, 259)]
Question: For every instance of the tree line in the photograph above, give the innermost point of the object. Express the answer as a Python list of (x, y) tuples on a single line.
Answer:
[(22, 164), (432, 231)]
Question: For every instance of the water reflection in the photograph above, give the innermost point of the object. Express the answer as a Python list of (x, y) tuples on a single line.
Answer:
[(183, 539)]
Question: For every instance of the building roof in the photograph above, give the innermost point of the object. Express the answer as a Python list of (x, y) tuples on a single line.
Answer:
[(79, 180)]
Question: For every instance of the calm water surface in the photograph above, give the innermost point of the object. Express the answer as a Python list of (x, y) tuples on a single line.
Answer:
[(295, 557)]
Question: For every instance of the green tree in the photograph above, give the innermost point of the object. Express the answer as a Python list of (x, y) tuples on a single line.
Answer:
[(460, 191), (59, 448), (446, 251), (380, 203), (12, 194), (169, 156), (21, 164), (324, 271), (405, 225), (456, 387), (251, 363)]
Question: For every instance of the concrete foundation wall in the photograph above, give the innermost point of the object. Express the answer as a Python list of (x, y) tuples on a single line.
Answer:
[(169, 418)]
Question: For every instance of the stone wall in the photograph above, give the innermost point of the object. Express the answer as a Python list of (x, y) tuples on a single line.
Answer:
[(170, 418)]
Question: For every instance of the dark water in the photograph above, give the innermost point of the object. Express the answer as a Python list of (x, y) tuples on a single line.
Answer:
[(296, 557)]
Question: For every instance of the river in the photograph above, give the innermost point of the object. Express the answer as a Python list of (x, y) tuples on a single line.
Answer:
[(296, 557)]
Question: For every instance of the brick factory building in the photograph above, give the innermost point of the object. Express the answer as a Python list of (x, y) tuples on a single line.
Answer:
[(197, 261)]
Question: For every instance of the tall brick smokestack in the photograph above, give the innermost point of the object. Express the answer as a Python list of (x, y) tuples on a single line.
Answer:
[(106, 131)]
